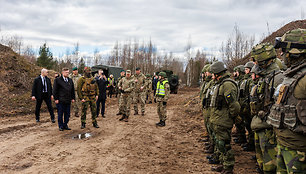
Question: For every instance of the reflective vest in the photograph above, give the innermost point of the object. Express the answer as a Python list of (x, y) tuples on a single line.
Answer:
[(161, 88), (111, 81)]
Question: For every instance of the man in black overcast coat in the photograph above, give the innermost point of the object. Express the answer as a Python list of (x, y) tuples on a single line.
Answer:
[(64, 94), (42, 91)]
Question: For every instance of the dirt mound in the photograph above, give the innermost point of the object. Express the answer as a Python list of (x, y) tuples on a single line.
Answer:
[(280, 32), (16, 78)]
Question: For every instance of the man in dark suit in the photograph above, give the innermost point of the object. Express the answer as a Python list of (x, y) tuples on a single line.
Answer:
[(42, 91), (63, 91), (102, 83)]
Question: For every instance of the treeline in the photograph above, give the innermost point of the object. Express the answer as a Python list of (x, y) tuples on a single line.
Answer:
[(131, 54)]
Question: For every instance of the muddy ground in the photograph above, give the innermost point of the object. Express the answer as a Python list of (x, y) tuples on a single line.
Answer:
[(116, 147)]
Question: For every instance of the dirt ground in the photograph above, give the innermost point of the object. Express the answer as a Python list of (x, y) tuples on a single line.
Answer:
[(116, 147)]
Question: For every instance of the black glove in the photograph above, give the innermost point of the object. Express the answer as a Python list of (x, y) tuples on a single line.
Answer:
[(122, 91), (164, 103), (155, 100)]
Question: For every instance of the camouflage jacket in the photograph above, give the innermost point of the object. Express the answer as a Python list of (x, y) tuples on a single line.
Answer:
[(140, 81), (127, 84), (75, 79)]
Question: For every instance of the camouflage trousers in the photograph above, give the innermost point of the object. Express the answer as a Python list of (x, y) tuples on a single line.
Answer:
[(76, 106), (89, 101), (161, 111), (126, 103), (223, 145), (290, 161), (265, 149), (139, 97), (149, 94), (208, 125), (120, 103)]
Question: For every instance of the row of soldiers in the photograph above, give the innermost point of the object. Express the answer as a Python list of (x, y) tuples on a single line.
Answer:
[(264, 100)]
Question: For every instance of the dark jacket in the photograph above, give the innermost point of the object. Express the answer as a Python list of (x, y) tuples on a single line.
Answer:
[(102, 84), (63, 91), (37, 88), (154, 84)]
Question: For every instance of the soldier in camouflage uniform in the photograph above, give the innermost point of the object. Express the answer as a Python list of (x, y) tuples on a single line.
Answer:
[(75, 76), (288, 114), (126, 87), (149, 88), (205, 100), (139, 91), (161, 97), (261, 100), (239, 122), (224, 108), (244, 100), (122, 75), (88, 92)]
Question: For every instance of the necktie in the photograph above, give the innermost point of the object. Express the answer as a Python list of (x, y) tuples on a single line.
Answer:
[(45, 85)]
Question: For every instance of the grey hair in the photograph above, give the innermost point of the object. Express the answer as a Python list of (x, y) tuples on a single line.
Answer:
[(43, 70)]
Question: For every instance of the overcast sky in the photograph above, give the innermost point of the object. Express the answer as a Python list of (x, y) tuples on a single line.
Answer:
[(169, 23)]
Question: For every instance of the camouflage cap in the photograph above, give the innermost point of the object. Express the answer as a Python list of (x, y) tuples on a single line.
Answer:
[(86, 68), (263, 51), (163, 74), (74, 68), (148, 75), (256, 70), (128, 71)]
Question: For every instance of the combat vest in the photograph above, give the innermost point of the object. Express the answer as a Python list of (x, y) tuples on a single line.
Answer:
[(288, 111), (160, 91), (217, 100), (89, 88), (207, 94)]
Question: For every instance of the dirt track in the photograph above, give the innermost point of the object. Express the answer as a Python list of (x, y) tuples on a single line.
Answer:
[(116, 147)]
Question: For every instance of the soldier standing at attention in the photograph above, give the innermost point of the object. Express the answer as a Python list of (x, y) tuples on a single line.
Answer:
[(261, 100), (88, 92), (126, 87), (239, 122), (161, 97), (122, 75), (244, 100), (139, 91), (288, 114), (224, 108), (75, 76)]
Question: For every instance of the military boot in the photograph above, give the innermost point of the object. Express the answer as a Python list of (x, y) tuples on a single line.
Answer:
[(217, 168), (161, 124), (210, 149), (122, 118), (135, 113), (126, 119), (214, 161), (119, 113), (95, 124), (83, 125)]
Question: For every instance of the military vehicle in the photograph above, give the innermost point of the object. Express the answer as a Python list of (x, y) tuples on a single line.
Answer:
[(173, 81), (108, 70)]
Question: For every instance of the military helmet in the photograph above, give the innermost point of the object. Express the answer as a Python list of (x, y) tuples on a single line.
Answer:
[(163, 74), (263, 52), (249, 65), (206, 68), (293, 41), (148, 75), (217, 67), (256, 70), (239, 68)]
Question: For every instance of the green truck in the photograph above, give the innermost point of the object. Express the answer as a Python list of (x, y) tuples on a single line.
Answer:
[(108, 70)]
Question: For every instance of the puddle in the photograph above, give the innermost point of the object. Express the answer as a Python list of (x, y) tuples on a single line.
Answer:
[(82, 136)]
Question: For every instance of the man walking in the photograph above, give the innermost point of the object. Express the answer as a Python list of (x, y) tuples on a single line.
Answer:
[(64, 94), (75, 76), (42, 91), (88, 93), (102, 82), (161, 97)]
